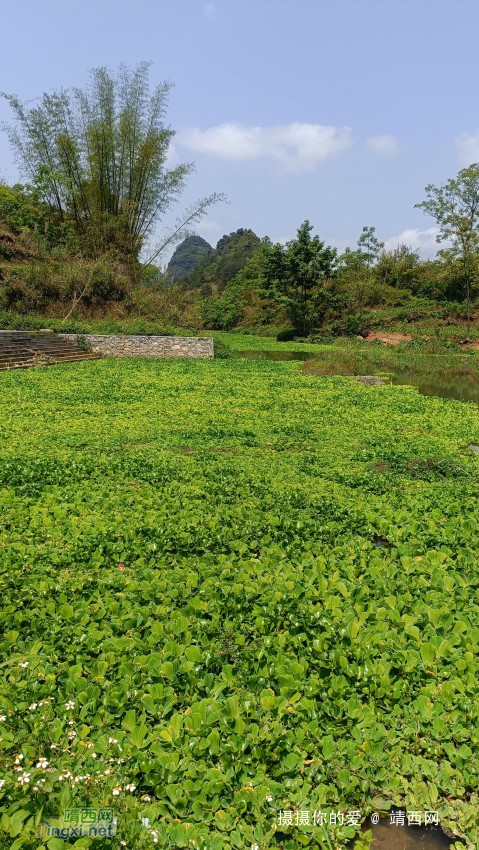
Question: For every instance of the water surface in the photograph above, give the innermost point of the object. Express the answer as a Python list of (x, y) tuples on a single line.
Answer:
[(465, 388), (389, 836)]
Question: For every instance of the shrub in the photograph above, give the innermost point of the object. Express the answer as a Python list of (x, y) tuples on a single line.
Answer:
[(287, 335)]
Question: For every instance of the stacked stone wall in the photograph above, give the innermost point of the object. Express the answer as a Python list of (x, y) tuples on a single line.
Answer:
[(146, 346)]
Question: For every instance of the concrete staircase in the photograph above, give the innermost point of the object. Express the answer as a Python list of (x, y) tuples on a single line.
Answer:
[(24, 349)]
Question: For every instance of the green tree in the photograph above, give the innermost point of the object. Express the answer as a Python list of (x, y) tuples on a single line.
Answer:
[(455, 206), (294, 275), (369, 247), (98, 157), (354, 275)]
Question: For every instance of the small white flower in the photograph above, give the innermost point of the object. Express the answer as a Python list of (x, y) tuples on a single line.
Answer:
[(53, 746), (42, 702), (251, 785), (70, 705), (71, 735), (254, 847), (42, 763), (116, 791), (18, 759), (146, 798), (2, 783), (2, 718), (33, 706), (89, 745), (23, 663), (269, 799), (130, 787), (93, 755), (123, 843), (24, 779), (112, 741)]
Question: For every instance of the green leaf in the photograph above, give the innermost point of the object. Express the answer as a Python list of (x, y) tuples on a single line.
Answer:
[(428, 653), (138, 734), (168, 670), (55, 844), (129, 720)]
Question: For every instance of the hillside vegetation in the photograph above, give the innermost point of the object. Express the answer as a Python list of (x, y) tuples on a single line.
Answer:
[(43, 273)]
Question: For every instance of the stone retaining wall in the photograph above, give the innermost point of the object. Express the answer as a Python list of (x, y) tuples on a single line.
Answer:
[(146, 346)]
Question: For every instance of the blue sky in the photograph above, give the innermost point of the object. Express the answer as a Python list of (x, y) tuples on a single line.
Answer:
[(340, 111)]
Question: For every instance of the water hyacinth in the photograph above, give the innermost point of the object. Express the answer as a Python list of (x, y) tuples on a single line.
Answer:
[(261, 646)]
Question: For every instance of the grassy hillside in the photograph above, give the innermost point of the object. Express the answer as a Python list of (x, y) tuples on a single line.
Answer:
[(233, 589)]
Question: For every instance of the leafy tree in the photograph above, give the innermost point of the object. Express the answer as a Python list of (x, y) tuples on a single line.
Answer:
[(369, 247), (294, 275), (354, 275), (240, 302), (98, 158), (455, 206)]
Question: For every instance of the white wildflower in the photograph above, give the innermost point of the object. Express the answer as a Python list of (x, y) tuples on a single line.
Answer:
[(2, 783), (269, 799), (24, 779), (23, 663), (70, 705), (2, 718), (18, 759), (42, 763), (146, 798), (112, 741), (116, 791), (130, 788)]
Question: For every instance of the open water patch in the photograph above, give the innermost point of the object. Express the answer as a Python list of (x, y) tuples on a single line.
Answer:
[(462, 389), (394, 833), (274, 355)]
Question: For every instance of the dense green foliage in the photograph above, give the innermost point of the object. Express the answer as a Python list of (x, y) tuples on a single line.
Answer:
[(97, 158), (186, 256), (294, 275), (228, 258), (257, 643)]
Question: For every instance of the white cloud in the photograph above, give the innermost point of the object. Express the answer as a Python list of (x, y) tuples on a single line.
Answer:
[(468, 148), (296, 147), (414, 238), (383, 145)]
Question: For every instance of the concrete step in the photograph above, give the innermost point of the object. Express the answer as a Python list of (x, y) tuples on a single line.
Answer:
[(59, 359), (4, 367), (24, 350)]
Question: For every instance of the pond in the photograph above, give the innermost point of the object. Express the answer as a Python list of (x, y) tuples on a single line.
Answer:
[(465, 388), (275, 355), (398, 836)]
